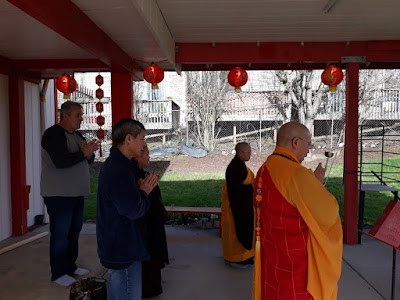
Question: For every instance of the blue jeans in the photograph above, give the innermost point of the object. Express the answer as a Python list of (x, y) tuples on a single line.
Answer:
[(66, 220), (125, 284)]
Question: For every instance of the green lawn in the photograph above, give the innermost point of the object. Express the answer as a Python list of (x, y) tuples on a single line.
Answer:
[(205, 190)]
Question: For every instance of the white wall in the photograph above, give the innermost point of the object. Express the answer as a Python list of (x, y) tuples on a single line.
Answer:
[(5, 184), (32, 149)]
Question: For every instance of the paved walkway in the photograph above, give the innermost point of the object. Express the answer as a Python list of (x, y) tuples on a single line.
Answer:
[(197, 270)]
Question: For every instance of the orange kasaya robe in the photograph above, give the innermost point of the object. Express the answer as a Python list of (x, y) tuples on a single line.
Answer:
[(300, 233), (233, 249)]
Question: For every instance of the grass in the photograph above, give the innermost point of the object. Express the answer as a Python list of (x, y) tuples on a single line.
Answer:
[(205, 190)]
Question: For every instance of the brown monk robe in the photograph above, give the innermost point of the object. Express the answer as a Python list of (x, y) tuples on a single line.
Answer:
[(154, 236)]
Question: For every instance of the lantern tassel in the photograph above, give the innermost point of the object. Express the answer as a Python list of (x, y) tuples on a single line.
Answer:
[(101, 150), (67, 96), (332, 88)]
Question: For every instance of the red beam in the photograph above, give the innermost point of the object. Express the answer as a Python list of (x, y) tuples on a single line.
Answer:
[(350, 232), (19, 189), (285, 52), (122, 95), (65, 18)]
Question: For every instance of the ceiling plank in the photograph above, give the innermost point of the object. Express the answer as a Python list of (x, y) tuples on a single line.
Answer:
[(65, 18), (155, 21)]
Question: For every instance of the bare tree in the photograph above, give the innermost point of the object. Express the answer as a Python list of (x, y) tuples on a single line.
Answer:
[(206, 93), (305, 92), (371, 85)]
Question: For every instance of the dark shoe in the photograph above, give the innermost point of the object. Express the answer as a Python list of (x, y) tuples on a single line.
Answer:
[(151, 293)]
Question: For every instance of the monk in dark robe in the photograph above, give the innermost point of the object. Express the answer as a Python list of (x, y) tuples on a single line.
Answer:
[(154, 236), (237, 210)]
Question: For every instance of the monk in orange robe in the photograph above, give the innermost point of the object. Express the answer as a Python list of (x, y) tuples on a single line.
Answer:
[(238, 210), (299, 230)]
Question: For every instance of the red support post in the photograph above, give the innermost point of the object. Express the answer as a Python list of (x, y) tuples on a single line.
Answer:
[(350, 176), (19, 189), (121, 96)]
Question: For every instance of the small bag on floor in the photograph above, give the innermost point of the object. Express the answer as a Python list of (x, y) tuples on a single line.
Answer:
[(92, 288)]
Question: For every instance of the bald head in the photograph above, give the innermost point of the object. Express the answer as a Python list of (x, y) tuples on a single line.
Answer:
[(243, 151), (243, 146), (290, 130)]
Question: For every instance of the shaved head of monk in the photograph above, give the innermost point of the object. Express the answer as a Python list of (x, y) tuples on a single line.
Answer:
[(295, 137)]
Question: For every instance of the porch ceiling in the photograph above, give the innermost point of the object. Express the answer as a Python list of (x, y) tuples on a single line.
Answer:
[(50, 37)]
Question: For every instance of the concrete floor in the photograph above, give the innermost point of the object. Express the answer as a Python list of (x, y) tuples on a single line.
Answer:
[(196, 271)]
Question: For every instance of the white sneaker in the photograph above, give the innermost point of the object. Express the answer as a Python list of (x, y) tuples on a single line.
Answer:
[(65, 280), (81, 272)]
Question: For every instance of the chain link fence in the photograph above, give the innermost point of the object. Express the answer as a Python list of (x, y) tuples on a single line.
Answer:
[(170, 129)]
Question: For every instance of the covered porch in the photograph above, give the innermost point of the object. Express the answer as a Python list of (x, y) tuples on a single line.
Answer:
[(196, 271)]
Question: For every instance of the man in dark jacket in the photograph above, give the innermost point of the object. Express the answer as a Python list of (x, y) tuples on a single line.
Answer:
[(121, 202)]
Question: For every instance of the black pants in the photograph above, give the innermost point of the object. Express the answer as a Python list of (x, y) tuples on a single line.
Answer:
[(151, 279)]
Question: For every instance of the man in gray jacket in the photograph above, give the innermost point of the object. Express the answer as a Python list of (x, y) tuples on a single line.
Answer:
[(64, 184)]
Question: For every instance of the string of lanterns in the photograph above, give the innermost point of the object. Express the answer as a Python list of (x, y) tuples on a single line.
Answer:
[(237, 77), (100, 120)]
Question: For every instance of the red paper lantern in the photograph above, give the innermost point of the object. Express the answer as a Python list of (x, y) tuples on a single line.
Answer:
[(99, 107), (100, 120), (237, 78), (100, 133), (99, 93), (332, 76), (66, 84), (153, 74), (99, 80)]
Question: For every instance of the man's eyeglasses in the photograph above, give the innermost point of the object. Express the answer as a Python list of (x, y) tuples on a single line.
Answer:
[(310, 145)]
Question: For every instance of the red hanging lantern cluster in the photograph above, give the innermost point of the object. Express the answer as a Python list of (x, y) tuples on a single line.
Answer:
[(237, 78), (66, 84), (100, 120), (332, 76), (153, 74)]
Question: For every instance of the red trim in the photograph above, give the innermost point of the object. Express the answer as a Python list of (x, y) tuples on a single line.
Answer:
[(279, 54), (121, 96), (65, 18), (351, 156), (19, 189), (62, 65)]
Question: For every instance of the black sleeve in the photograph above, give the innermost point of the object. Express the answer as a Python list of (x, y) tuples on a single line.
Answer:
[(54, 142)]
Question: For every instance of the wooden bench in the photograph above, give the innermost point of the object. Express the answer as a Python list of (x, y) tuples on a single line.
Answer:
[(197, 210)]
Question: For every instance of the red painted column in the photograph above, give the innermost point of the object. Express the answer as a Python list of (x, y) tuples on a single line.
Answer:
[(19, 189), (351, 156), (121, 96)]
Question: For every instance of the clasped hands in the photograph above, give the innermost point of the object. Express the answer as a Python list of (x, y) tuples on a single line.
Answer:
[(148, 183), (89, 148)]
